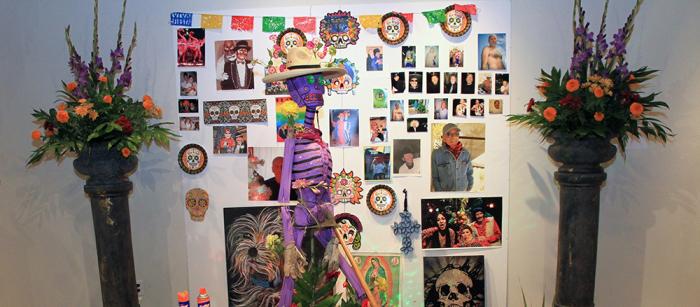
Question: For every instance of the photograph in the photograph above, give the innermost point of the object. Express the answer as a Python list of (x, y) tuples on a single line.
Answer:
[(282, 120), (377, 163), (382, 273), (441, 109), (265, 173), (344, 126), (454, 279), (432, 56), (495, 106), (397, 110), (406, 157), (189, 123), (188, 106), (377, 130), (415, 82), (466, 142), (492, 51), (398, 82), (234, 67), (485, 83), (460, 107), (419, 124), (408, 56), (375, 58), (188, 83), (502, 84), (433, 83), (461, 222), (477, 107), (468, 83), (451, 83), (379, 98), (417, 106), (230, 139), (190, 47), (456, 57)]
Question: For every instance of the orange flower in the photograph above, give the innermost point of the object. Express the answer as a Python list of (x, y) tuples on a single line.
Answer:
[(157, 112), (598, 116), (126, 152), (71, 86), (146, 97), (636, 109), (82, 100), (36, 135), (572, 85), (62, 116), (598, 92), (634, 85), (83, 109), (61, 106), (148, 103), (550, 113), (93, 114), (102, 79), (107, 99)]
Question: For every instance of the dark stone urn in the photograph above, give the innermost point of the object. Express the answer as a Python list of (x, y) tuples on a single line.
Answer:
[(580, 178), (108, 187)]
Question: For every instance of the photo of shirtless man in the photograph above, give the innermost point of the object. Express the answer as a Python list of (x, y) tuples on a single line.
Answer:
[(493, 53)]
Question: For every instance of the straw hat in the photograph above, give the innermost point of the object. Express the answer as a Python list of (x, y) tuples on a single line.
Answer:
[(302, 61)]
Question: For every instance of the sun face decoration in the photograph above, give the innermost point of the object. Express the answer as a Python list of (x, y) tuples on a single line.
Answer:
[(346, 188)]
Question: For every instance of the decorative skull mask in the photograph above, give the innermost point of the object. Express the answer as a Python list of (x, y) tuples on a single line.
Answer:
[(455, 20), (290, 40), (233, 112), (229, 51), (255, 111), (307, 91), (214, 112), (346, 83), (197, 203), (454, 288), (194, 158), (339, 29), (392, 28), (346, 188), (350, 229)]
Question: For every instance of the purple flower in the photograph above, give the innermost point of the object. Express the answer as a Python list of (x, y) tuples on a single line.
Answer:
[(125, 79), (116, 55)]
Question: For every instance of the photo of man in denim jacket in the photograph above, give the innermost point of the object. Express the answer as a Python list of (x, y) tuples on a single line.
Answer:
[(451, 164)]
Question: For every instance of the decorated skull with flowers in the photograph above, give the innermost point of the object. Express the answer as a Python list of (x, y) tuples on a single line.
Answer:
[(599, 96), (94, 107)]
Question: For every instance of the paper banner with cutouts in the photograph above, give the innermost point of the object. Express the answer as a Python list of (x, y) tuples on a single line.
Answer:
[(305, 24), (436, 16), (273, 23), (210, 21), (242, 23), (181, 19), (371, 21)]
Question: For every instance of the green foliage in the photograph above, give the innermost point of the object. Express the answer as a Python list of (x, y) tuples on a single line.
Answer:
[(315, 288)]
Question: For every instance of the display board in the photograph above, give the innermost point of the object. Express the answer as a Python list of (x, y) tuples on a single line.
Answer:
[(384, 124)]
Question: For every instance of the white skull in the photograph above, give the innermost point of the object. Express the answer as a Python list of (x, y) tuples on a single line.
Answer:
[(454, 288), (193, 157), (256, 111), (233, 112), (214, 112), (392, 26), (454, 20)]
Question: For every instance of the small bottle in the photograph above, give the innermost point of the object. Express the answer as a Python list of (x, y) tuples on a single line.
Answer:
[(183, 299), (203, 298)]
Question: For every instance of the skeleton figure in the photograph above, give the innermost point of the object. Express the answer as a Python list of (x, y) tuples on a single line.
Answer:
[(197, 203), (392, 28), (256, 111), (214, 112), (233, 112), (454, 289)]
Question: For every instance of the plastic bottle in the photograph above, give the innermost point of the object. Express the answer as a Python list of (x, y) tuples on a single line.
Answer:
[(203, 298), (183, 299)]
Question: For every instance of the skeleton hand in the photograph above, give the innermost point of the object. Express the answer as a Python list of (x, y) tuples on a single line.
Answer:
[(294, 262)]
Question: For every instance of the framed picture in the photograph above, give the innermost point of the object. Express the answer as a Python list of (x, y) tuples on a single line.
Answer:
[(455, 279)]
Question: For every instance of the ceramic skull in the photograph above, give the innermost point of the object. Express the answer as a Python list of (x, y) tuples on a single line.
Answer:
[(214, 112), (454, 288), (197, 203), (233, 112), (256, 111)]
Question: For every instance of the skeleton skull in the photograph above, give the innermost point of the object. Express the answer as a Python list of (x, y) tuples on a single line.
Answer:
[(454, 288), (348, 230), (455, 20), (256, 111), (340, 40), (233, 112), (214, 112), (194, 158), (290, 40), (392, 28), (197, 203), (229, 50)]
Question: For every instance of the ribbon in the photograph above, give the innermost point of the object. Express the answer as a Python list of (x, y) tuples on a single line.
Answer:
[(305, 24), (273, 23), (436, 16), (181, 19), (468, 8), (210, 21), (242, 23), (371, 21)]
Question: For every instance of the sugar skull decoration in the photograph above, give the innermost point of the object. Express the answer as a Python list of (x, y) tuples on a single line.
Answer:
[(346, 83), (192, 159), (197, 203), (394, 28), (291, 37), (381, 199), (346, 188), (235, 111), (350, 229), (457, 22), (339, 29)]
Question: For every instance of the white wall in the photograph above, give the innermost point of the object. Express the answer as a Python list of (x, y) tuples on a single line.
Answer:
[(649, 215)]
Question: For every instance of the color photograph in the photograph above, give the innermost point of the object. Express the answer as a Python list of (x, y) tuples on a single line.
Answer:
[(188, 83), (461, 222), (432, 56), (265, 173), (377, 130), (457, 159), (408, 56), (234, 65), (377, 163), (397, 110), (492, 51), (382, 273), (190, 47), (441, 109), (344, 125), (406, 157), (284, 105), (418, 124), (375, 58), (189, 123), (230, 139)]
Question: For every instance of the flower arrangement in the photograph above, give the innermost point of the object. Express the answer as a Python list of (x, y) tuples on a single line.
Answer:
[(598, 96), (94, 107)]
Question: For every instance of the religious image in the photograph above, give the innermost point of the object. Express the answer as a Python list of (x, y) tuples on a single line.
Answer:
[(190, 47), (282, 120), (188, 106), (495, 106), (441, 109), (377, 129), (456, 57), (502, 84), (398, 82), (485, 83), (468, 83), (234, 65), (432, 56), (377, 163), (461, 222), (375, 58), (254, 279), (397, 110), (454, 281), (344, 126), (230, 139), (379, 101), (460, 108), (477, 107), (415, 82), (406, 157), (188, 83), (382, 273), (492, 51), (265, 173), (189, 123), (433, 85), (408, 56), (418, 124), (417, 106), (457, 159)]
